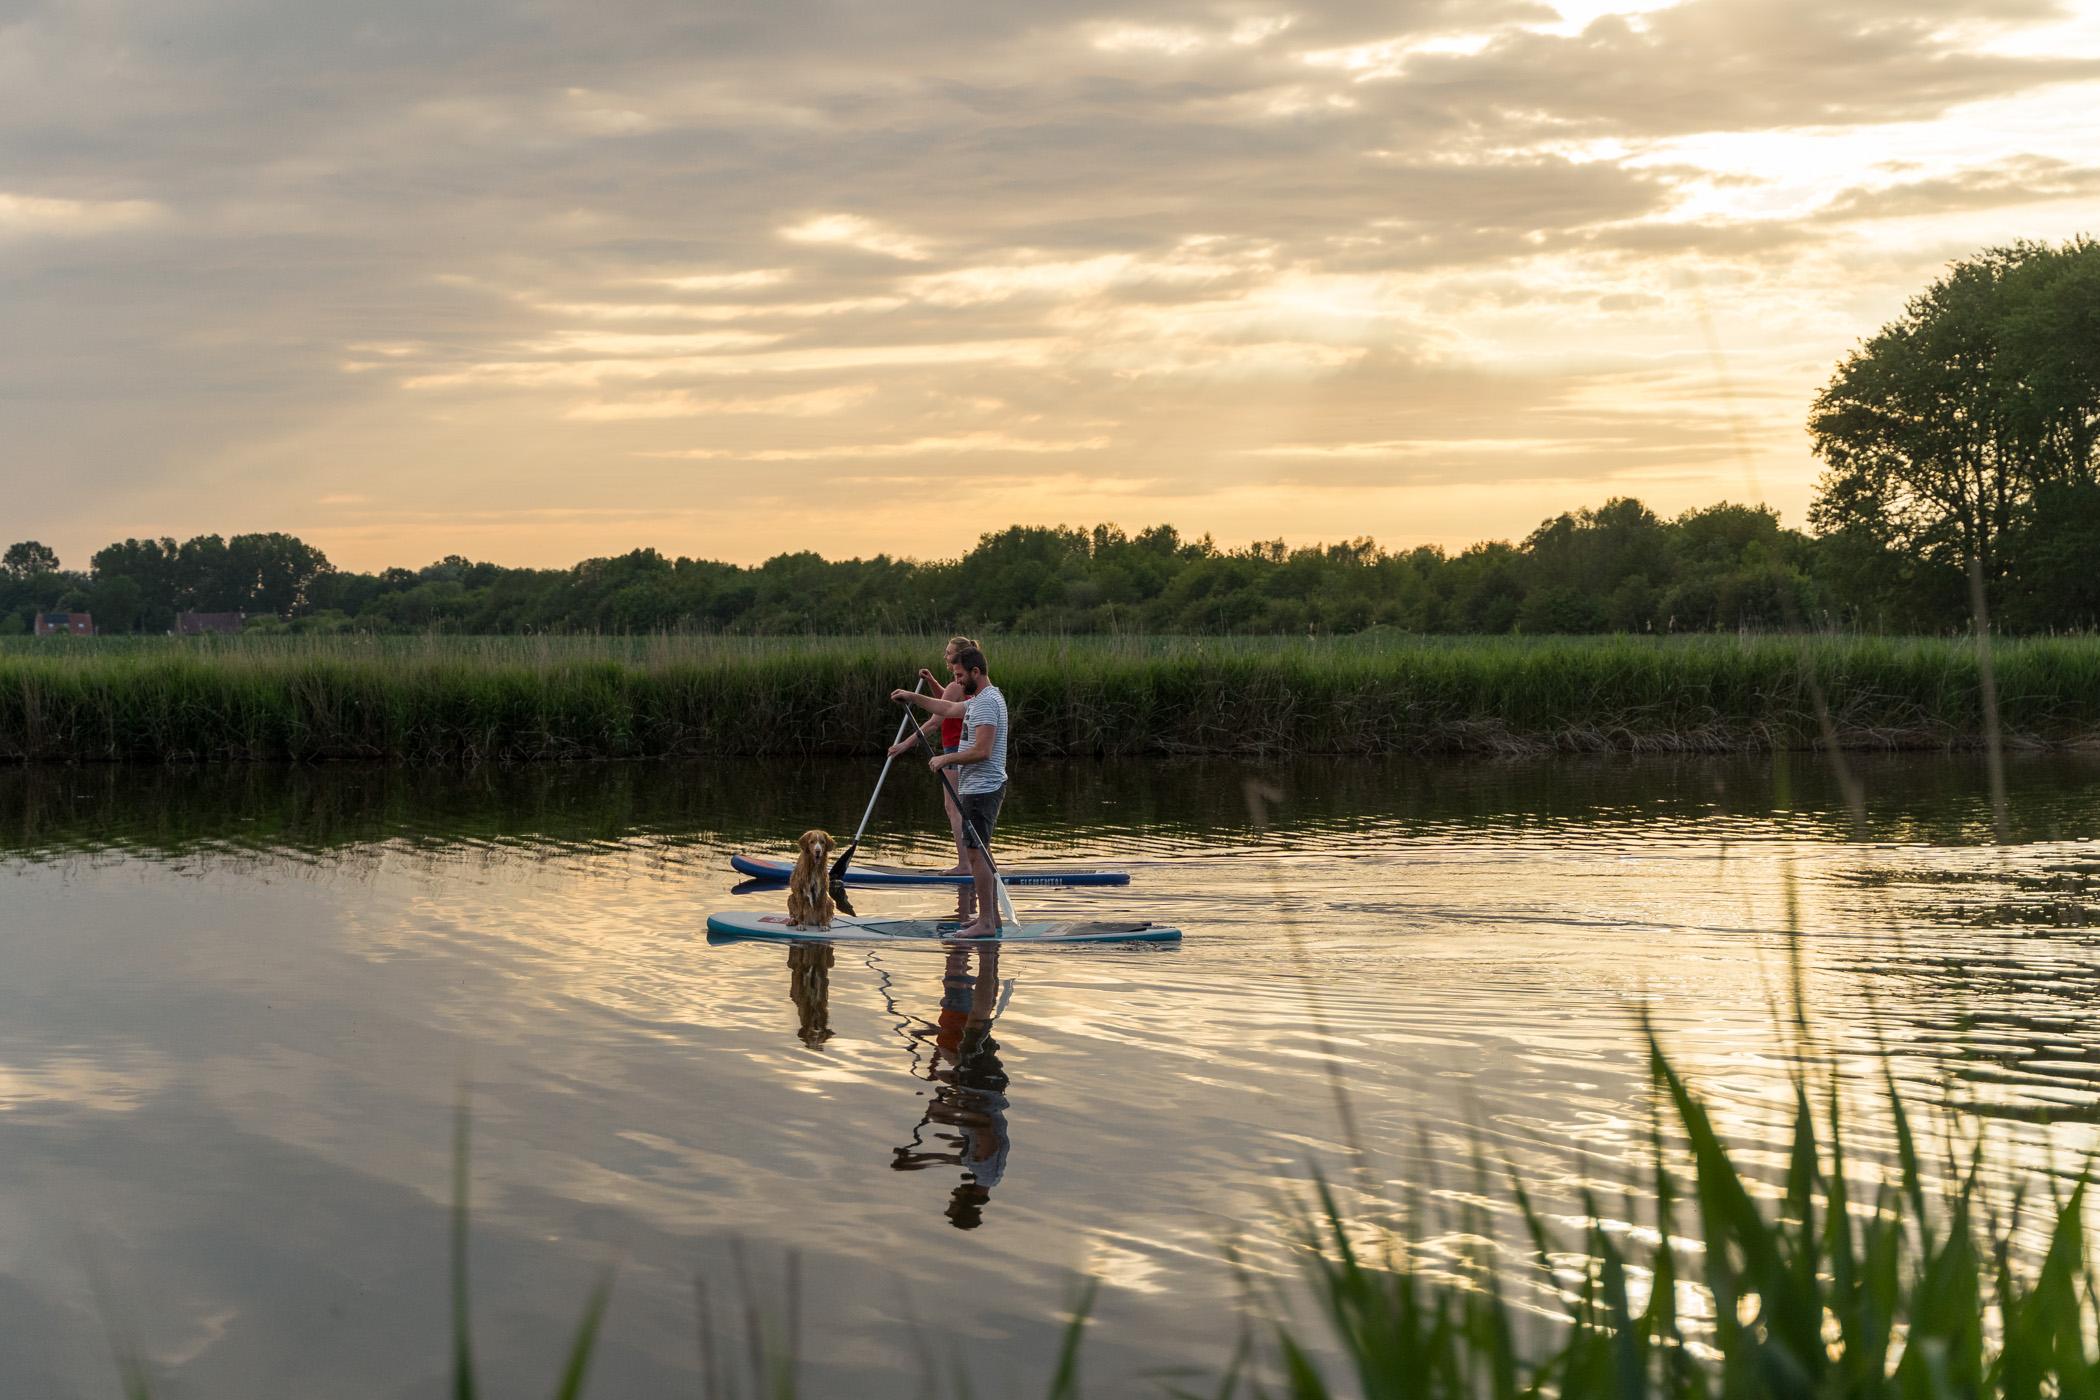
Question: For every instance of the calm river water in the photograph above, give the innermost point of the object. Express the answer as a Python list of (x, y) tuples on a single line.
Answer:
[(238, 1009)]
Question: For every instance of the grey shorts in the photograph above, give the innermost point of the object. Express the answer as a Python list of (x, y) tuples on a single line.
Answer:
[(981, 811), (951, 748)]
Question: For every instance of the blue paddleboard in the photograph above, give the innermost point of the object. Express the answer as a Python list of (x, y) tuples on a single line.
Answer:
[(846, 928), (857, 873)]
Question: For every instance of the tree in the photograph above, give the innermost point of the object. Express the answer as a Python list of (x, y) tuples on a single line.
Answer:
[(28, 559), (2054, 582), (1592, 570), (259, 573), (1938, 431), (274, 572), (2050, 358), (119, 605), (152, 567)]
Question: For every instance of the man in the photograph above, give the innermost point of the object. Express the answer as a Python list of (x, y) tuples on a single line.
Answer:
[(979, 768)]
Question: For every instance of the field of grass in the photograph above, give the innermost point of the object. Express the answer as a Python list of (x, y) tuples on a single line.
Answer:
[(447, 699)]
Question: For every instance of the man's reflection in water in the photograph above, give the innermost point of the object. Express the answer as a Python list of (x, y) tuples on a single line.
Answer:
[(809, 987), (967, 1110)]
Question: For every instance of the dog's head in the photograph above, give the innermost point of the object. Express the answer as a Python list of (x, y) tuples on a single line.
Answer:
[(817, 845)]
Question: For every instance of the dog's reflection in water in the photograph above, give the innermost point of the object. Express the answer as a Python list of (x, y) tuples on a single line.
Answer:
[(809, 987), (809, 981), (967, 1109)]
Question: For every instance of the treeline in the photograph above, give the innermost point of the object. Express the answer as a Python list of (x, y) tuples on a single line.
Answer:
[(1617, 568), (1962, 452)]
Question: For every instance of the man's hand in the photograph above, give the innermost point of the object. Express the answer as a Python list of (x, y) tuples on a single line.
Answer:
[(939, 761), (902, 694)]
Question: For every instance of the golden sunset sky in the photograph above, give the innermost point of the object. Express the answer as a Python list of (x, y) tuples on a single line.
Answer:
[(538, 281)]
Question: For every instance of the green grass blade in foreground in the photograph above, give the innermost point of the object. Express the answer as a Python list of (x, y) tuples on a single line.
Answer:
[(577, 1365), (1064, 1383), (462, 1341), (571, 1387), (132, 1372), (1820, 1298)]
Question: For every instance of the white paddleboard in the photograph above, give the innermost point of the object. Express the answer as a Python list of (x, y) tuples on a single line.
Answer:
[(846, 928)]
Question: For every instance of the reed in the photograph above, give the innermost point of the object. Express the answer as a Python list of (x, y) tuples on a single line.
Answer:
[(451, 700), (1844, 1282)]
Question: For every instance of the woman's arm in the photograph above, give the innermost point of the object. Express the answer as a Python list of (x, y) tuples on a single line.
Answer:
[(933, 704), (952, 691)]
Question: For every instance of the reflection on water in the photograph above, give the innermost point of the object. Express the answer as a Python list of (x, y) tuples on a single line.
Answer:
[(963, 1124), (809, 988), (239, 1005), (50, 811), (966, 1111)]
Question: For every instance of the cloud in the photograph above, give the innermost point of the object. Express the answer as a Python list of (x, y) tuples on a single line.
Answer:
[(683, 403), (2020, 180), (852, 231), (717, 311), (748, 280), (1027, 273), (1707, 65), (24, 215), (967, 443), (1392, 448), (589, 372)]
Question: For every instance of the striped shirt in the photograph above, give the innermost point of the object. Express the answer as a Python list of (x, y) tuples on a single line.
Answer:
[(987, 706)]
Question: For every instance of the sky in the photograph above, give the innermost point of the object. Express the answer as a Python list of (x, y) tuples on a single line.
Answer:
[(536, 280)]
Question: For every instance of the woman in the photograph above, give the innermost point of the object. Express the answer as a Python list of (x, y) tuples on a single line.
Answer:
[(951, 739)]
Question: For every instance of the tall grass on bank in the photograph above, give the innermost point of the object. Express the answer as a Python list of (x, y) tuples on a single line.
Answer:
[(443, 700)]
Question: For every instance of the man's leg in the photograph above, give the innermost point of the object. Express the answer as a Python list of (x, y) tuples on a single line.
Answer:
[(987, 894), (980, 813)]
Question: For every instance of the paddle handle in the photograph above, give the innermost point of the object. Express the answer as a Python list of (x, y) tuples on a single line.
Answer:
[(887, 760)]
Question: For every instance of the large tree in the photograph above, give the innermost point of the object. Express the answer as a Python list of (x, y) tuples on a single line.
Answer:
[(28, 559), (1937, 433), (151, 567)]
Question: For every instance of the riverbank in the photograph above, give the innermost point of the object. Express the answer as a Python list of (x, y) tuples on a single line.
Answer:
[(472, 699)]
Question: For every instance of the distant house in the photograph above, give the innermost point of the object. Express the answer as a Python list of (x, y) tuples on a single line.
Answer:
[(196, 624), (65, 624)]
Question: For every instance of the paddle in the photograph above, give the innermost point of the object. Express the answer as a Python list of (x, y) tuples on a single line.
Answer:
[(1006, 904), (838, 867)]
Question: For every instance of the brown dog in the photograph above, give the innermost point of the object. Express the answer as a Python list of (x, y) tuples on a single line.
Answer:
[(809, 888)]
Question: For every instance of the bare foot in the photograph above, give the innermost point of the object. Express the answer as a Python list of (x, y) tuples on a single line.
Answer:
[(956, 870), (978, 931)]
